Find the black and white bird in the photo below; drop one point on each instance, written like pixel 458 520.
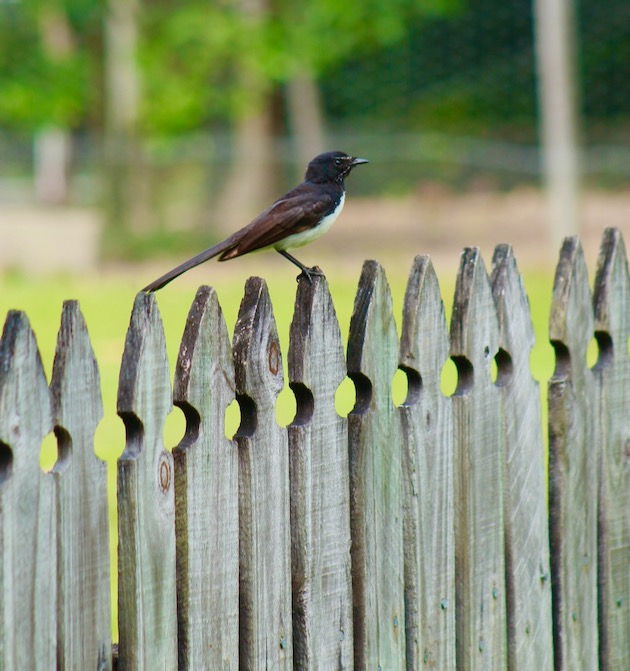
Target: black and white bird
pixel 299 217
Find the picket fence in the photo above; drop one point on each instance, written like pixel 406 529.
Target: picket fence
pixel 412 537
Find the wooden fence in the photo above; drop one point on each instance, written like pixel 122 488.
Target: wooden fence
pixel 412 537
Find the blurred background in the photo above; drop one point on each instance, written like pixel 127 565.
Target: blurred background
pixel 130 131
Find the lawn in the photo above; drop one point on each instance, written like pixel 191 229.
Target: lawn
pixel 106 301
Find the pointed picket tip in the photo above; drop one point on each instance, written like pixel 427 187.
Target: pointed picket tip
pixel 76 380
pixel 423 314
pixel 474 322
pixel 315 328
pixel 612 288
pixel 257 357
pixel 205 347
pixel 571 316
pixel 372 328
pixel 23 389
pixel 516 330
pixel 145 352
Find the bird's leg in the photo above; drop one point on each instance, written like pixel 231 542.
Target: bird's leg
pixel 306 272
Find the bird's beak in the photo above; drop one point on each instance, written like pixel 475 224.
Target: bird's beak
pixel 358 161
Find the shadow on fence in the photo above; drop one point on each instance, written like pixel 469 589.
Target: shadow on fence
pixel 422 536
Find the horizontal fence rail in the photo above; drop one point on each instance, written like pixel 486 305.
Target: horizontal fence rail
pixel 430 535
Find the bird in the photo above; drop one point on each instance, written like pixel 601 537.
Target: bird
pixel 297 218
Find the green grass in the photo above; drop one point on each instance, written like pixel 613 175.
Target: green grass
pixel 106 302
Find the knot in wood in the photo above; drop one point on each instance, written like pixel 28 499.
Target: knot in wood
pixel 164 473
pixel 274 357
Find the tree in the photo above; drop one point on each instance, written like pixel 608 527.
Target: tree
pixel 45 89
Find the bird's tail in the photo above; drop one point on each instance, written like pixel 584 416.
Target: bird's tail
pixel 187 265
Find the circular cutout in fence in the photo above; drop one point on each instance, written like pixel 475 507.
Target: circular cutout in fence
pixel 501 370
pixel 465 375
pixel 6 462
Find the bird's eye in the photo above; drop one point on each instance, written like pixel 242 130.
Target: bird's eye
pixel 337 161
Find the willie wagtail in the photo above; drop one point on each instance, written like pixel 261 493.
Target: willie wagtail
pixel 300 216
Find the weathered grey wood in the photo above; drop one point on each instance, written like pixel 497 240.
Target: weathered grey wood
pixel 479 536
pixel 147 611
pixel 206 493
pixel 265 544
pixel 28 565
pixel 427 430
pixel 375 479
pixel 572 467
pixel 84 637
pixel 320 494
pixel 612 326
pixel 528 576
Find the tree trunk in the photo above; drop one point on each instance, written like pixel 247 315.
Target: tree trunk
pixel 52 155
pixel 251 181
pixel 53 143
pixel 306 119
pixel 125 192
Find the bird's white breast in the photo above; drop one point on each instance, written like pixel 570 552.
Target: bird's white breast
pixel 303 238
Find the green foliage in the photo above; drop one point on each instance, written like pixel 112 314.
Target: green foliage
pixel 188 61
pixel 320 34
pixel 204 62
pixel 38 88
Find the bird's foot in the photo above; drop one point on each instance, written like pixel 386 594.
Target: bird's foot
pixel 309 273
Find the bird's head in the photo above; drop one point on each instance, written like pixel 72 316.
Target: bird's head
pixel 333 166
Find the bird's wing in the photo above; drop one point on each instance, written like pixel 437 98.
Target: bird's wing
pixel 288 216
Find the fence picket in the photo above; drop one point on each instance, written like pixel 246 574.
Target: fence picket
pixel 147 613
pixel 83 613
pixel 427 430
pixel 479 538
pixel 320 494
pixel 265 543
pixel 206 493
pixel 375 479
pixel 612 327
pixel 572 467
pixel 27 506
pixel 528 583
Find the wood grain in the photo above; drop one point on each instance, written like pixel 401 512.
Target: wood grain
pixel 320 494
pixel 266 635
pixel 84 611
pixel 147 611
pixel 479 535
pixel 28 568
pixel 528 576
pixel 428 473
pixel 376 479
pixel 206 493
